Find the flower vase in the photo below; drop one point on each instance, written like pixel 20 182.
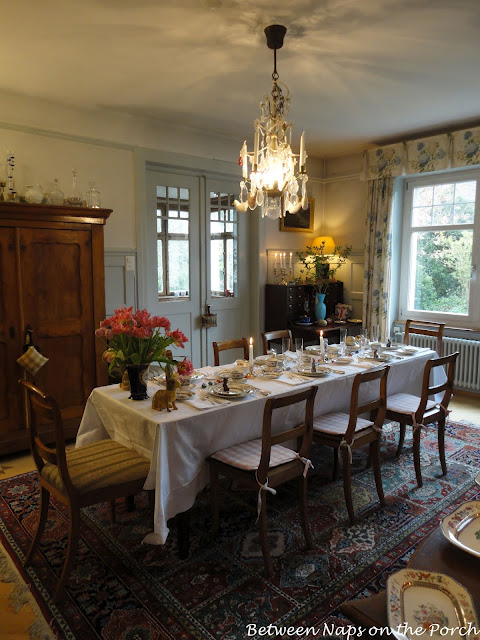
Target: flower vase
pixel 320 307
pixel 138 376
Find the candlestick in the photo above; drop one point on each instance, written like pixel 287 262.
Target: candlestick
pixel 290 260
pixel 280 268
pixel 255 151
pixel 250 355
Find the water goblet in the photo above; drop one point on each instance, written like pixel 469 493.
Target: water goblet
pixel 285 345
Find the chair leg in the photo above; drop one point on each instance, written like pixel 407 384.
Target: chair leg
pixel 347 485
pixel 374 453
pixel 214 499
pixel 335 464
pixel 416 455
pixel 73 534
pixel 302 499
pixel 401 439
pixel 263 535
pixel 441 443
pixel 42 519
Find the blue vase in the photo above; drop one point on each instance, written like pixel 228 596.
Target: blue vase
pixel 320 307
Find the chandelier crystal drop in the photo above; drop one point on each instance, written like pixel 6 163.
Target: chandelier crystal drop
pixel 272 181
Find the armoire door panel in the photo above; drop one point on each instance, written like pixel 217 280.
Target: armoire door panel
pixel 11 417
pixel 58 305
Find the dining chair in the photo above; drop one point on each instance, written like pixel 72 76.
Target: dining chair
pixel 82 477
pixel 425 328
pixel 241 343
pixel 347 431
pixel 418 411
pixel 263 464
pixel 276 335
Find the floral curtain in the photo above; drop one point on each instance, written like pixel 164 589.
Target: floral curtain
pixel 378 256
pixel 428 154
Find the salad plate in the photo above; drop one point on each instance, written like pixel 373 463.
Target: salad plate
pixel 319 373
pixel 269 374
pixel 234 391
pixel 428 602
pixel 462 527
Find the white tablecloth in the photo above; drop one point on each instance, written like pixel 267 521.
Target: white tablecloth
pixel 179 442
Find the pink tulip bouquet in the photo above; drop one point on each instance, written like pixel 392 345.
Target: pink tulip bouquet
pixel 137 338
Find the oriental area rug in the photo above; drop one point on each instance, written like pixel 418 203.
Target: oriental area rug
pixel 120 589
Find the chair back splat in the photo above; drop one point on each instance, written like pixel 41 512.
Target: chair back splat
pixel 425 328
pixel 241 343
pixel 276 335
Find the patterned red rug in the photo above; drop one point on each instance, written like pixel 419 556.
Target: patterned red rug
pixel 123 590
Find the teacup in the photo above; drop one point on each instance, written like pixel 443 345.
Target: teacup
pixel 237 374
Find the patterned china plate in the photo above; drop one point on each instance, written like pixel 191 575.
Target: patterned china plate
pixel 319 373
pixel 422 599
pixel 184 394
pixel 272 375
pixel 462 527
pixel 235 391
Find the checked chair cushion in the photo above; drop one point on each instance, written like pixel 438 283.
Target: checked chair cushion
pixel 247 455
pixel 406 403
pixel 337 423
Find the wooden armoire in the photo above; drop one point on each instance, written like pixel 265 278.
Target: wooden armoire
pixel 52 282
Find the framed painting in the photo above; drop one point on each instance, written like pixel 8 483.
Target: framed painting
pixel 301 221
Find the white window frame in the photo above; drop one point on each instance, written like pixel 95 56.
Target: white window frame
pixel 224 236
pixel 472 320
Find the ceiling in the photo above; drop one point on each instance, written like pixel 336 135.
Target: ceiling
pixel 359 71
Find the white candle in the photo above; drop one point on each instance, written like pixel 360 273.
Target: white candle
pixel 255 150
pixel 275 261
pixel 302 150
pixel 290 259
pixel 244 160
pixel 284 260
pixel 250 353
pixel 322 346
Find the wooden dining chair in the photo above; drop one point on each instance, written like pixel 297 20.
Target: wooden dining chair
pixel 347 431
pixel 418 411
pixel 98 472
pixel 276 335
pixel 424 328
pixel 241 343
pixel 263 464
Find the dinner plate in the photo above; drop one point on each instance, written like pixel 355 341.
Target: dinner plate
pixel 270 375
pixel 235 390
pixel 404 352
pixel 319 373
pixel 422 599
pixel 385 357
pixel 394 347
pixel 462 527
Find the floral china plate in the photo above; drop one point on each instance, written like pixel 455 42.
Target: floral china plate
pixel 184 394
pixel 306 371
pixel 268 373
pixel 462 527
pixel 428 602
pixel 234 391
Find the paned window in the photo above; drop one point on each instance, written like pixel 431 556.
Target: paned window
pixel 441 229
pixel 173 242
pixel 223 245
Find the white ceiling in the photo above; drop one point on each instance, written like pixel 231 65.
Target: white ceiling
pixel 359 71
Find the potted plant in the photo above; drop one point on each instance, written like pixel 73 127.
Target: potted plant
pixel 135 339
pixel 320 263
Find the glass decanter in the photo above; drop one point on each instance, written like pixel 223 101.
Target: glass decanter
pixel 56 195
pixel 75 199
pixel 93 196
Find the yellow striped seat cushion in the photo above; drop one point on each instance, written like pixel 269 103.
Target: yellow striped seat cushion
pixel 99 465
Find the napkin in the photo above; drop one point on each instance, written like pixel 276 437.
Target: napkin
pixel 293 380
pixel 201 403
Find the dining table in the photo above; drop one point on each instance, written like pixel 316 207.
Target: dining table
pixel 178 442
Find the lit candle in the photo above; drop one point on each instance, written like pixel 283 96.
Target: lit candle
pixel 250 354
pixel 322 346
pixel 284 260
pixel 244 160
pixel 255 151
pixel 275 261
pixel 290 259
pixel 302 150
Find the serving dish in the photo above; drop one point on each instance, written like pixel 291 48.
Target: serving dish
pixel 424 599
pixel 462 527
pixel 235 390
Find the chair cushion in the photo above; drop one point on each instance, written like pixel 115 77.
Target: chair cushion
pixel 99 465
pixel 406 403
pixel 337 423
pixel 247 455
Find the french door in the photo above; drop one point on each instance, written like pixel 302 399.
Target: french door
pixel 197 256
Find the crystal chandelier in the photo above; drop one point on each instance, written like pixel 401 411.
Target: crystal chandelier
pixel 272 181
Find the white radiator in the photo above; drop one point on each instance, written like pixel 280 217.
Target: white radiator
pixel 467 369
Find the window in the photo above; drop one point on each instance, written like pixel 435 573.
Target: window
pixel 173 219
pixel 441 235
pixel 223 245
